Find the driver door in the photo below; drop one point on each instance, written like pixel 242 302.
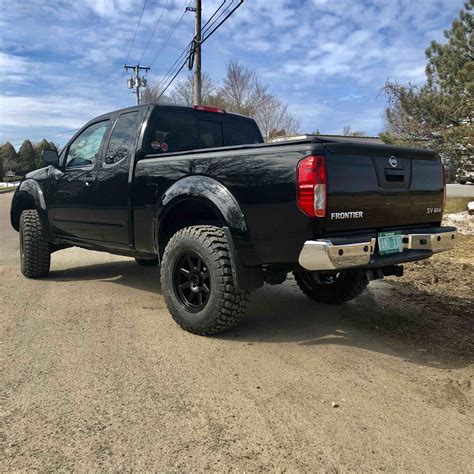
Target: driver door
pixel 73 201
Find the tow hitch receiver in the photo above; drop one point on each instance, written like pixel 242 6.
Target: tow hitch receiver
pixel 379 273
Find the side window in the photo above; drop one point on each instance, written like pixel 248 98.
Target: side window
pixel 174 131
pixel 123 138
pixel 242 132
pixel 209 134
pixel 84 150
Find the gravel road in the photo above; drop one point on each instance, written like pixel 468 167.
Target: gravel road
pixel 96 376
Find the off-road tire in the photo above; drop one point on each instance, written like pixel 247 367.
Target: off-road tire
pixel 462 181
pixel 147 262
pixel 35 250
pixel 348 285
pixel 226 304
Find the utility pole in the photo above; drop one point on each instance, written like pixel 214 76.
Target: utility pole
pixel 138 81
pixel 197 52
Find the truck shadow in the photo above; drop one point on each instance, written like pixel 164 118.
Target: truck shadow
pixel 379 320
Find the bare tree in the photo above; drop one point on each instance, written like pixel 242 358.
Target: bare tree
pixel 153 95
pixel 243 92
pixel 183 92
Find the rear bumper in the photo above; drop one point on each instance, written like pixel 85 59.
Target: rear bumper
pixel 323 255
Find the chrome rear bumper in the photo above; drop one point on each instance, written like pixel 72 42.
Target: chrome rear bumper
pixel 320 255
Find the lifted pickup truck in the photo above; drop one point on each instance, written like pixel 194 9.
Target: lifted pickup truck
pixel 197 191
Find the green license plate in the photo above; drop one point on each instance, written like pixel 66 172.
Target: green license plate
pixel 390 242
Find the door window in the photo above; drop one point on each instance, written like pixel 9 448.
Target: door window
pixel 84 150
pixel 122 141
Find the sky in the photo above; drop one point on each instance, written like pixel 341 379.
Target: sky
pixel 61 62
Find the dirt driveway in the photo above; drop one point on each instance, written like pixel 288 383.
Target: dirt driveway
pixel 95 375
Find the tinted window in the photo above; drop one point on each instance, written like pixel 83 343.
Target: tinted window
pixel 174 131
pixel 84 150
pixel 122 141
pixel 242 132
pixel 209 134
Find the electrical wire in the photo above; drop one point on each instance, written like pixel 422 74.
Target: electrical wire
pixel 119 91
pixel 136 31
pixel 179 68
pixel 187 49
pixel 178 20
pixel 153 32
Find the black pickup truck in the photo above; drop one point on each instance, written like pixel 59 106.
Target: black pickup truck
pixel 197 191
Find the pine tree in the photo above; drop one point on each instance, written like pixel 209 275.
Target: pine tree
pixel 9 157
pixel 439 114
pixel 26 157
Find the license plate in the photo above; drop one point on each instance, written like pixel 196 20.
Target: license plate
pixel 390 242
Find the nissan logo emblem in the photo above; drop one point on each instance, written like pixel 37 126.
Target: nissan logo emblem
pixel 393 162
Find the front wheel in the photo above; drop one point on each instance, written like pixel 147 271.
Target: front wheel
pixel 35 250
pixel 332 288
pixel 197 281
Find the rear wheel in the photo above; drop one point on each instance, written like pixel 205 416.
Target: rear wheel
pixel 462 181
pixel 35 250
pixel 147 262
pixel 332 288
pixel 197 282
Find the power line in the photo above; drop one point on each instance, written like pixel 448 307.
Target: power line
pixel 206 37
pixel 119 91
pixel 136 31
pixel 178 20
pixel 153 32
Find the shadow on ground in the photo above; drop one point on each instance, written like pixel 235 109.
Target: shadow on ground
pixel 381 320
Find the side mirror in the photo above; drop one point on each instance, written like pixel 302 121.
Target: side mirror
pixel 50 157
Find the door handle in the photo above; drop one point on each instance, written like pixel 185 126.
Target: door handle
pixel 87 183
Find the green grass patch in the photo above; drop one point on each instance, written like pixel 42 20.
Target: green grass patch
pixel 457 204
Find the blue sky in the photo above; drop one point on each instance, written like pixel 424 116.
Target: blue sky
pixel 61 61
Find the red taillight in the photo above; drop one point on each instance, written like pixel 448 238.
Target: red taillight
pixel 444 187
pixel 311 182
pixel 209 109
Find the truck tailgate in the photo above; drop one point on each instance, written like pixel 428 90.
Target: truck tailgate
pixel 371 186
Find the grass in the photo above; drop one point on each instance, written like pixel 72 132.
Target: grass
pixel 457 204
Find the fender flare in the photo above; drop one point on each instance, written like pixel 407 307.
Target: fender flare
pixel 29 195
pixel 215 195
pixel 210 192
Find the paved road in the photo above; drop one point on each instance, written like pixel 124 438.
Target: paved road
pixel 96 376
pixel 460 190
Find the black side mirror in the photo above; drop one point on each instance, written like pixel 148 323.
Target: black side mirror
pixel 50 157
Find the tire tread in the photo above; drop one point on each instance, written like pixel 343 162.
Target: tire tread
pixel 232 302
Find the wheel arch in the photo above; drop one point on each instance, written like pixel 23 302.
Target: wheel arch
pixel 198 200
pixel 29 196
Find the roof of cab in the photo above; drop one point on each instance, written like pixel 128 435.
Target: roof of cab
pixel 162 106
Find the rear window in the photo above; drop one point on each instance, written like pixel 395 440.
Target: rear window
pixel 210 134
pixel 182 130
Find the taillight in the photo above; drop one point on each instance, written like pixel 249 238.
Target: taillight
pixel 311 182
pixel 444 187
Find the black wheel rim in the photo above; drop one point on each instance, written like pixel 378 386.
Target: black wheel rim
pixel 192 282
